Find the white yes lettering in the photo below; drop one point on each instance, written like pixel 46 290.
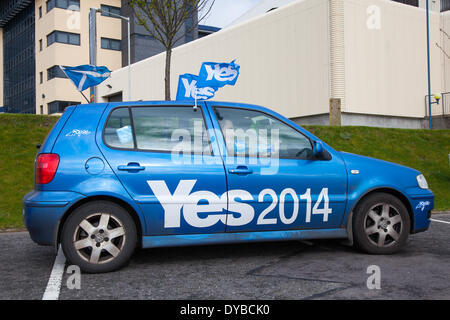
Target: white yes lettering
pixel 239 212
pixel 221 74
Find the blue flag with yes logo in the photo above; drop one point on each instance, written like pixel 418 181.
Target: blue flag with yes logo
pixel 188 90
pixel 217 75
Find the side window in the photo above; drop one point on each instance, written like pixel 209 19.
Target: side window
pixel 118 131
pixel 171 129
pixel 253 133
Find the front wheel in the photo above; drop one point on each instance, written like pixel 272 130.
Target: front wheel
pixel 99 237
pixel 381 224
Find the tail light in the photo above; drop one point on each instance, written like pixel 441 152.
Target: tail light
pixel 46 166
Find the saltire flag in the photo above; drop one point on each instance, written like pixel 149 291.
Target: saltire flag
pixel 86 76
pixel 217 75
pixel 188 90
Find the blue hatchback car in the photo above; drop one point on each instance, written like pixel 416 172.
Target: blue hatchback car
pixel 110 177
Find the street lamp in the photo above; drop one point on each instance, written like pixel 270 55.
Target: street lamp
pixel 428 62
pixel 127 19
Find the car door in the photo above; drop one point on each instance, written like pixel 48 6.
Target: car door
pixel 164 158
pixel 273 178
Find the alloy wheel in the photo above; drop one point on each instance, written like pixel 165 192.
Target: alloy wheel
pixel 99 238
pixel 383 225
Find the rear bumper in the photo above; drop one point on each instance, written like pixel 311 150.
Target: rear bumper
pixel 42 212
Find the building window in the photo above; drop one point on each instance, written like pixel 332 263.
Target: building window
pixel 40 12
pixel 50 5
pixel 40 45
pixel 204 31
pixel 63 4
pixel 445 5
pixel 414 3
pixel 106 10
pixel 19 52
pixel 189 25
pixel 41 107
pixel 41 77
pixel 117 97
pixel 63 37
pixel 110 44
pixel 55 72
pixel 60 106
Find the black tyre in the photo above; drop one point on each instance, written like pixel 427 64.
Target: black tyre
pixel 381 224
pixel 99 237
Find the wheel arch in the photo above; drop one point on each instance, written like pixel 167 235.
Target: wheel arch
pixel 388 190
pixel 125 205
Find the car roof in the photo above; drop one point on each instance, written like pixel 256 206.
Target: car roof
pixel 177 103
pixel 112 105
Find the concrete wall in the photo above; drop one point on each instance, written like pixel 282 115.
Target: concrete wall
pixel 58 89
pixel 284 59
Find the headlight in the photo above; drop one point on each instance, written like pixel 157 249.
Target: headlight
pixel 422 181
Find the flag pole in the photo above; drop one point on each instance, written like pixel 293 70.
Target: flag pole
pixel 428 64
pixel 84 97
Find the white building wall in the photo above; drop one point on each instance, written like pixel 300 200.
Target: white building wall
pixel 434 5
pixel 378 67
pixel 445 51
pixel 386 64
pixel 283 57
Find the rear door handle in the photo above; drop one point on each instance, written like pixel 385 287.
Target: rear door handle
pixel 131 167
pixel 241 170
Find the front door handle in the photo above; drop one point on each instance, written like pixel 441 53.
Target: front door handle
pixel 132 166
pixel 241 170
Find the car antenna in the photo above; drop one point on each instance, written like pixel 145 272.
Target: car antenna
pixel 195 104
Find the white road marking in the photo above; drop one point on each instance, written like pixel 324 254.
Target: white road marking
pixel 54 282
pixel 440 221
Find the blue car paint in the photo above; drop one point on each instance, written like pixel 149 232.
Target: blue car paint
pixel 78 152
pixel 295 173
pixel 158 166
pixel 241 237
pixel 78 179
pixel 53 135
pixel 42 211
pixel 378 174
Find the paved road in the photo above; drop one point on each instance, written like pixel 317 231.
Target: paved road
pixel 284 270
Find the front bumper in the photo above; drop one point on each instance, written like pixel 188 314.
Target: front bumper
pixel 42 211
pixel 422 204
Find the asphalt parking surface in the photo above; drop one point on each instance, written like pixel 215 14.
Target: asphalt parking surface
pixel 278 270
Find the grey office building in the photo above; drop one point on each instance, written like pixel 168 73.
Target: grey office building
pixel 144 46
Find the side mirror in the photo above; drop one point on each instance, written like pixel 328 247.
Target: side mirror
pixel 319 151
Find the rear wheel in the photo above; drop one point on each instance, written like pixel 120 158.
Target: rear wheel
pixel 99 237
pixel 381 224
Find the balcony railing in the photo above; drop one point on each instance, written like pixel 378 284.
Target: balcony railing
pixel 441 109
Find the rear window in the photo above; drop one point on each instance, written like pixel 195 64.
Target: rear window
pixel 118 131
pixel 163 129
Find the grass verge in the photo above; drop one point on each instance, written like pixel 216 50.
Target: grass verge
pixel 423 150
